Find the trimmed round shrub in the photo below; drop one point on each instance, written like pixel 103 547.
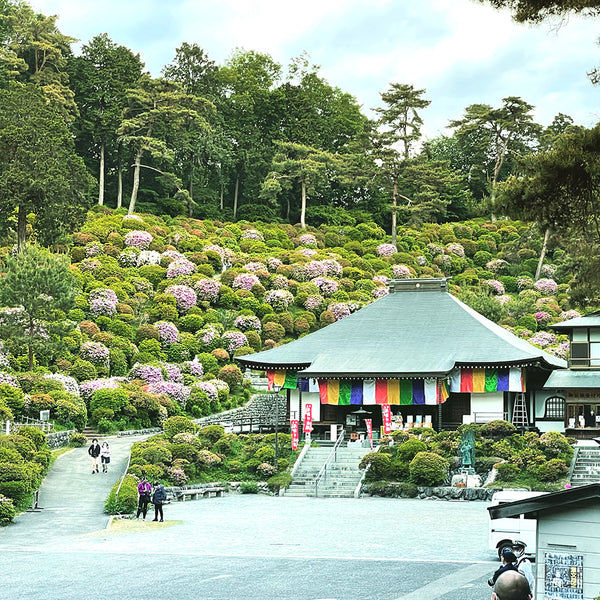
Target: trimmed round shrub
pixel 83 370
pixel 231 375
pixel 127 499
pixel 497 429
pixel 507 472
pixel 77 440
pixel 155 454
pixel 553 470
pixel 379 465
pixel 174 425
pixel 427 468
pixel 212 433
pixel 35 435
pixel 410 448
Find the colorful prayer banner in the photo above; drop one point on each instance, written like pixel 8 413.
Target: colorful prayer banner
pixel 406 392
pixel 284 378
pixel 478 381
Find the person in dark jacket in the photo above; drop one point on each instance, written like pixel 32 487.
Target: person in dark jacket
pixel 94 452
pixel 144 492
pixel 508 564
pixel 158 499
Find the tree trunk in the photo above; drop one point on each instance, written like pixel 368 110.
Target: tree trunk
pixel 394 216
pixel 101 177
pixel 493 203
pixel 235 196
pixel 542 254
pixel 303 208
pixel 221 197
pixel 21 228
pixel 119 187
pixel 30 344
pixel 136 182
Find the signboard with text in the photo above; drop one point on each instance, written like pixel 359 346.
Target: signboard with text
pixel 307 428
pixel 295 428
pixel 386 412
pixel 563 578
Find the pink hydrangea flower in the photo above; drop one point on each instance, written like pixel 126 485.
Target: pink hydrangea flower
pixel 496 286
pixel 386 249
pixel 547 286
pixel 401 272
pixel 185 296
pixel 245 281
pixel 207 290
pixel 138 239
pixel 168 332
pixel 179 267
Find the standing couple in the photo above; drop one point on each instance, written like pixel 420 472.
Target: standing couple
pixel 146 496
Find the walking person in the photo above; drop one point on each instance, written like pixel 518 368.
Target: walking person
pixel 105 456
pixel 144 491
pixel 94 452
pixel 158 499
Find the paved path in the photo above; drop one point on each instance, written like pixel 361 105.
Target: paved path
pixel 241 547
pixel 71 497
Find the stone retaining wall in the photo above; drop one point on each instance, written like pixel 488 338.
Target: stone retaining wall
pixel 140 431
pixel 59 438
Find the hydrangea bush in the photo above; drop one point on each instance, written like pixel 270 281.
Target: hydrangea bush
pixel 138 239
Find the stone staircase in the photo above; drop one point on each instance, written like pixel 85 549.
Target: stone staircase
pixel 586 465
pixel 342 475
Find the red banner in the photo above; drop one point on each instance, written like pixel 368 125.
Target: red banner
pixel 295 427
pixel 386 412
pixel 369 424
pixel 307 419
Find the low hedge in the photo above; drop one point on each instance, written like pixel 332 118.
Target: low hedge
pixel 7 511
pixel 127 500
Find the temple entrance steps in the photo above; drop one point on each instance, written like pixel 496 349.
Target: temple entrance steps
pixel 585 465
pixel 340 477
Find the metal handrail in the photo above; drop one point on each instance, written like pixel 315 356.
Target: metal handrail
pixel 332 457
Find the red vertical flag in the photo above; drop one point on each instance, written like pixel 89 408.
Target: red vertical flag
pixel 369 424
pixel 295 428
pixel 307 419
pixel 386 412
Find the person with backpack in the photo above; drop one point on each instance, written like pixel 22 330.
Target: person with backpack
pixel 158 499
pixel 508 564
pixel 144 492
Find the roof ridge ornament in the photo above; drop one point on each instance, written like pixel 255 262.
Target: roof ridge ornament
pixel 439 284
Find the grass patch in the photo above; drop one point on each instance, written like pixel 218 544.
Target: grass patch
pixel 125 526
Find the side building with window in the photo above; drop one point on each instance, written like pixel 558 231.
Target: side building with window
pixel 575 399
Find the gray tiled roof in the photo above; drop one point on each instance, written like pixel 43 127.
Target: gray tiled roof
pixel 404 334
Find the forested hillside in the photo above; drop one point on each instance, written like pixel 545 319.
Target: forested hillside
pixel 221 209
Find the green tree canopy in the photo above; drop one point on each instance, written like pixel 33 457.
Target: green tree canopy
pixel 536 10
pixel 37 288
pixel 40 172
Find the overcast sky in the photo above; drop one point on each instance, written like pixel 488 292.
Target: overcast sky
pixel 459 51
